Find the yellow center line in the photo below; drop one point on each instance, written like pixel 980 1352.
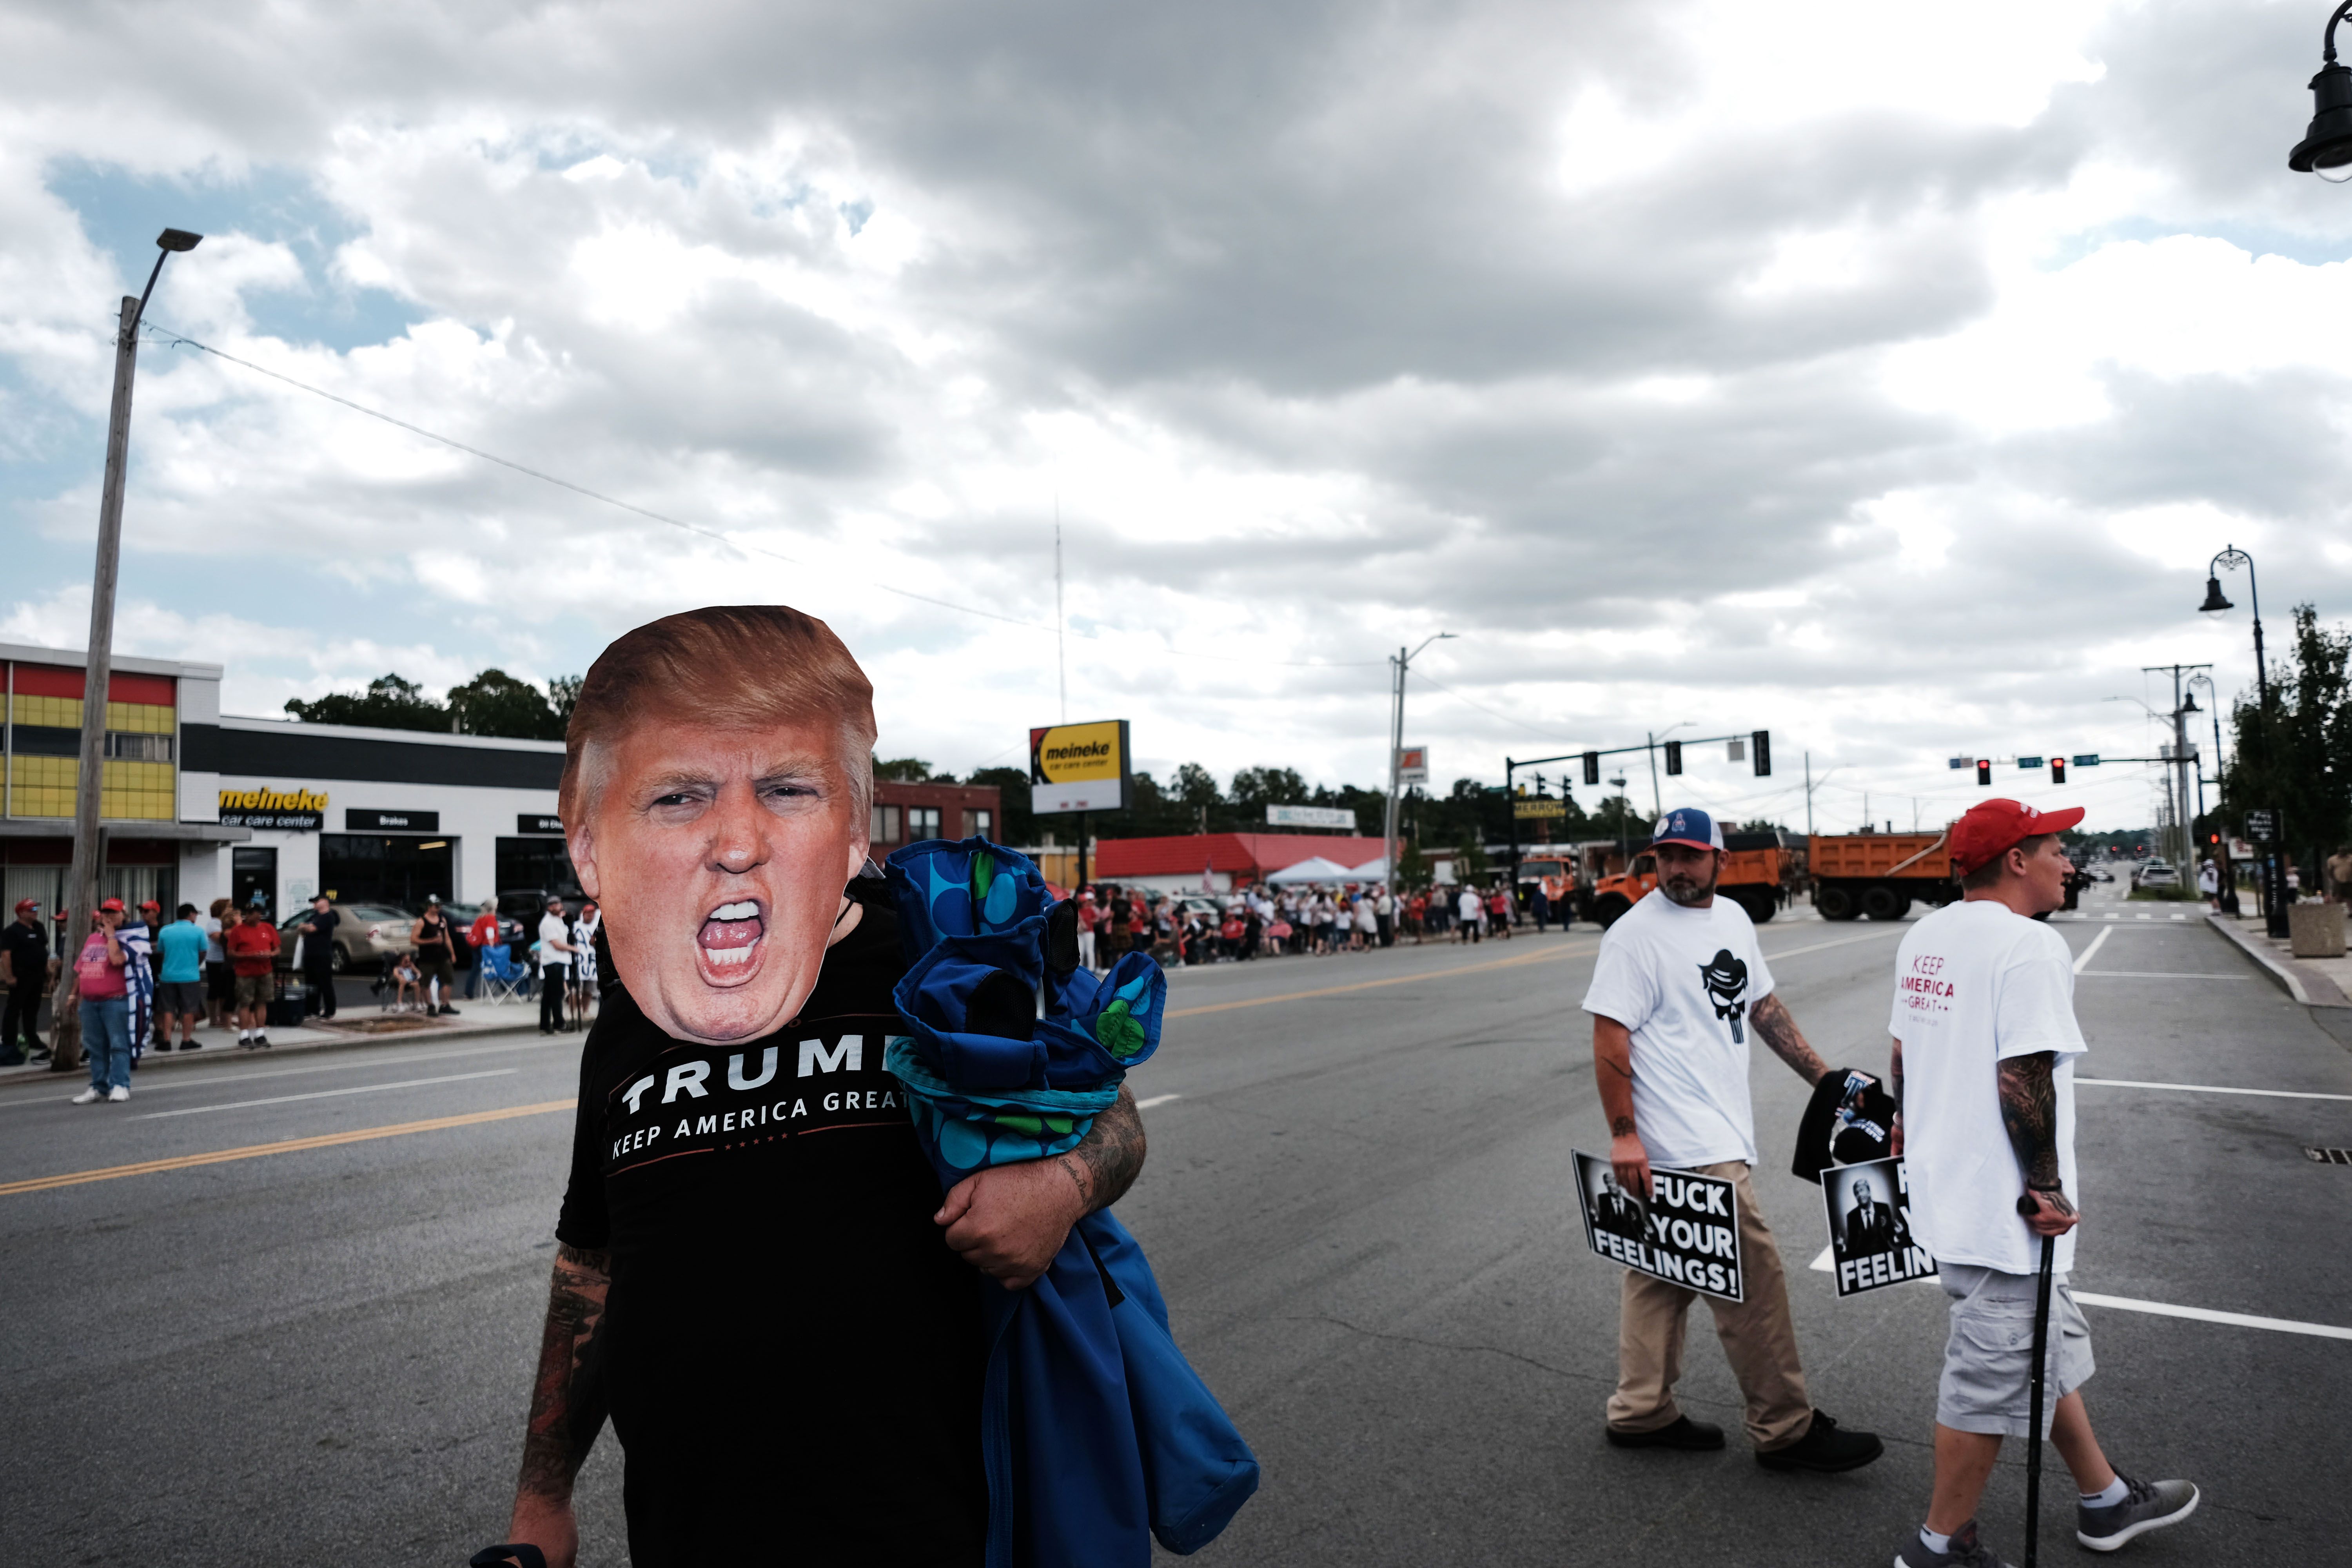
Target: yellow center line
pixel 290 1146
pixel 1448 973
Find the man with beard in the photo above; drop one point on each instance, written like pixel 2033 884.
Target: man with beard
pixel 757 1277
pixel 1679 984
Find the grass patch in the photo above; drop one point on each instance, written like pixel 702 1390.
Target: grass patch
pixel 2168 895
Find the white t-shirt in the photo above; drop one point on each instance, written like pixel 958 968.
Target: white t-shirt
pixel 1975 983
pixel 553 930
pixel 1684 981
pixel 1468 904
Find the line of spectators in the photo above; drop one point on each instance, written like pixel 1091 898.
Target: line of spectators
pixel 1313 920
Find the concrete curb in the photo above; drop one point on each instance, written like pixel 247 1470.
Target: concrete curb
pixel 221 1051
pixel 2299 981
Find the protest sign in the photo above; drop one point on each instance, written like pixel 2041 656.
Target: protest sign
pixel 1869 1209
pixel 1687 1232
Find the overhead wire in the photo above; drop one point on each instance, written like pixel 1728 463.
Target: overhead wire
pixel 180 340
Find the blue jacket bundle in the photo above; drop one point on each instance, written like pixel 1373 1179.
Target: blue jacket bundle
pixel 1097 1435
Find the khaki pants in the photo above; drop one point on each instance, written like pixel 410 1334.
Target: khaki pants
pixel 1757 1336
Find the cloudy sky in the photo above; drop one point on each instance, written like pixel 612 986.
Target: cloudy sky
pixel 1879 373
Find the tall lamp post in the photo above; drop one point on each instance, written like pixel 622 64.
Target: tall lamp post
pixel 89 853
pixel 2223 870
pixel 1399 665
pixel 2230 559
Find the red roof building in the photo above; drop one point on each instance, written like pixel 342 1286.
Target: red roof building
pixel 1232 858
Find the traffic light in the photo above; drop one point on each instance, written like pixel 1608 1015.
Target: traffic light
pixel 1592 767
pixel 1984 770
pixel 1673 758
pixel 1763 739
pixel 2057 770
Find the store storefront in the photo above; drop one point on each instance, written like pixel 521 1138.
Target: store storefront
pixel 198 805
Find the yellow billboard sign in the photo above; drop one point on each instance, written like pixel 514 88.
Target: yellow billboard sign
pixel 1078 767
pixel 1537 806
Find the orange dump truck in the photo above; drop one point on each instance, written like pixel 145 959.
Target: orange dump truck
pixel 1757 868
pixel 1880 875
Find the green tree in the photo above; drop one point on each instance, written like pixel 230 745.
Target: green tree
pixel 1016 825
pixel 1470 863
pixel 564 694
pixel 496 703
pixel 1413 867
pixel 1255 789
pixel 904 770
pixel 2296 757
pixel 389 703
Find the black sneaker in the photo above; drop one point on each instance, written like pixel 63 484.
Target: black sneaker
pixel 1683 1433
pixel 448 1011
pixel 2147 1505
pixel 39 1056
pixel 261 1043
pixel 1964 1553
pixel 1825 1449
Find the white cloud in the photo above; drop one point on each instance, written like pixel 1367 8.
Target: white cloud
pixel 1836 367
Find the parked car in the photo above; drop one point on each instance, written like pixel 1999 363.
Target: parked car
pixel 365 935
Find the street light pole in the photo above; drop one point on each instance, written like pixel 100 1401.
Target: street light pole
pixel 89 857
pixel 1398 666
pixel 2229 559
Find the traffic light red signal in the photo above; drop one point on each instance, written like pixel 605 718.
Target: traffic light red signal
pixel 1984 770
pixel 2057 770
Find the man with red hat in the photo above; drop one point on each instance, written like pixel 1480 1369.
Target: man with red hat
pixel 26 967
pixel 1985 1042
pixel 1679 986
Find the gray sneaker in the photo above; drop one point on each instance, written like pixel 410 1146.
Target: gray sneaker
pixel 2147 1505
pixel 1965 1552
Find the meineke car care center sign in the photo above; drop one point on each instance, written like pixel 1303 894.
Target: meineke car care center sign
pixel 1685 1231
pixel 1078 767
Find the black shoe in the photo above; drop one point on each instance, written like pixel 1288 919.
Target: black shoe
pixel 1824 1448
pixel 1683 1433
pixel 261 1043
pixel 448 1011
pixel 191 1044
pixel 39 1056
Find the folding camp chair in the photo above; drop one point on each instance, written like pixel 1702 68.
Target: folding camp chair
pixel 503 980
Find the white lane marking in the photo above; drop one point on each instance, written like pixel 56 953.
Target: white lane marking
pixel 1156 1099
pixel 364 1060
pixel 2211 1088
pixel 2142 917
pixel 2206 1315
pixel 2154 974
pixel 1842 942
pixel 330 1093
pixel 2114 917
pixel 2096 942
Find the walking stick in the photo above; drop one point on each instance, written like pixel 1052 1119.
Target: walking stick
pixel 2027 1206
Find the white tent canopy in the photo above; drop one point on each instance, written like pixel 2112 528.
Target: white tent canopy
pixel 1315 869
pixel 1370 871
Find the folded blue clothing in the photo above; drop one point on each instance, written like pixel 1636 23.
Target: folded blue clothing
pixel 1096 1435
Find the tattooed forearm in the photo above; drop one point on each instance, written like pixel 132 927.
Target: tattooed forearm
pixel 1106 1163
pixel 567 1407
pixel 1773 1025
pixel 2028 1110
pixel 1621 1126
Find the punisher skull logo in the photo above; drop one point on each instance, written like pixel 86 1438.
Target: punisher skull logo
pixel 1725 978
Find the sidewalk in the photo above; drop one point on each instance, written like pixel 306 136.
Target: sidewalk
pixel 2314 982
pixel 350 1026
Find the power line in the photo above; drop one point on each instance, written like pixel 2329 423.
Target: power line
pixel 180 340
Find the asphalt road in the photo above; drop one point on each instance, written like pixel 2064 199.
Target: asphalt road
pixel 1356 1202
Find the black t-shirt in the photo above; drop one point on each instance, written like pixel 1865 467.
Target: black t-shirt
pixel 791 1353
pixel 28 951
pixel 318 945
pixel 431 936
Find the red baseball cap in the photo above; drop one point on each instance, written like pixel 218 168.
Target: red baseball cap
pixel 32 904
pixel 111 906
pixel 1991 828
pixel 151 904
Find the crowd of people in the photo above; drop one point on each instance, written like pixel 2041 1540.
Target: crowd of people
pixel 1262 922
pixel 138 983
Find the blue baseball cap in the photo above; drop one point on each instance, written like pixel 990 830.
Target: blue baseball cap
pixel 1687 825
